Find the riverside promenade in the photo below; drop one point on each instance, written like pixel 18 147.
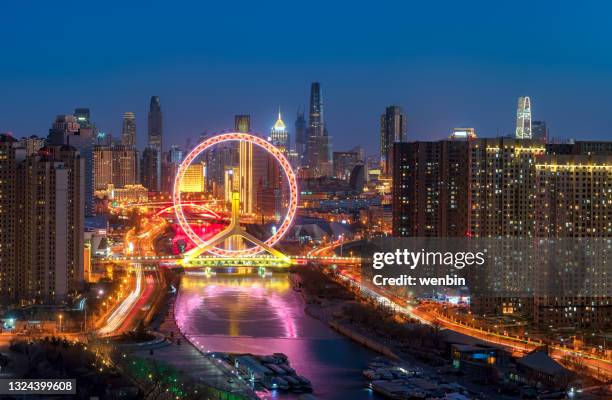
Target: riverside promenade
pixel 192 362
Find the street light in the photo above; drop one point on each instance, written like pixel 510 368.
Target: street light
pixel 60 322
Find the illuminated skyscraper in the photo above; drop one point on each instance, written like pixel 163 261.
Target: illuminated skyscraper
pixel 125 165
pixel 155 130
pixel 128 129
pixel 318 147
pixel 194 180
pixel 242 123
pixel 102 167
pixel 523 118
pixel 115 164
pixel 279 135
pixel 392 130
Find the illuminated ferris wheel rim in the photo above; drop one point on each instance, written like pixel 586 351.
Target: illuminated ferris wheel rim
pixel 240 137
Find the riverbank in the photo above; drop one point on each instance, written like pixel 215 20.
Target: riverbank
pixel 329 307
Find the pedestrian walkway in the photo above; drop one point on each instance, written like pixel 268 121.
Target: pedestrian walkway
pixel 190 361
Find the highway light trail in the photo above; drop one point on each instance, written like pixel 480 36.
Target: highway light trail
pixel 599 365
pixel 117 317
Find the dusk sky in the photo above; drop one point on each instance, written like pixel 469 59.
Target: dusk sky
pixel 447 63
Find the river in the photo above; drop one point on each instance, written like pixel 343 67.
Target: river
pixel 251 314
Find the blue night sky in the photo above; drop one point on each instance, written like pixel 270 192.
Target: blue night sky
pixel 447 63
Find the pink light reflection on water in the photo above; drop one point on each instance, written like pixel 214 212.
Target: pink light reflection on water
pixel 193 300
pixel 271 319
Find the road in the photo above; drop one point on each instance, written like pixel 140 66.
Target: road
pixel 121 311
pixel 596 365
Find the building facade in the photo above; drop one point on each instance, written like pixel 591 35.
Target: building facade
pixel 41 223
pixel 393 128
pixel 319 145
pixel 154 144
pixel 151 169
pixel 512 191
pixel 128 129
pixel 279 136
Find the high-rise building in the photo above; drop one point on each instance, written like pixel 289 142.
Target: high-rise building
pixel 171 163
pixel 151 169
pixel 125 165
pixel 393 128
pixel 66 130
pixel 523 118
pixel 32 144
pixel 502 180
pixel 42 210
pixel 430 188
pixel 175 155
pixel 574 195
pixel 128 129
pixel 194 180
pixel 8 217
pixel 574 200
pixel 102 167
pixel 155 123
pixel 514 189
pixel 155 131
pixel 232 184
pixel 301 135
pixel 83 117
pixel 116 165
pixel 279 136
pixel 318 146
pixel 269 197
pixel 217 159
pixel 242 123
pixel 539 131
pixel 62 129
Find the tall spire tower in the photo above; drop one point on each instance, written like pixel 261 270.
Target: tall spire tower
pixel 155 123
pixel 279 135
pixel 318 147
pixel 523 118
pixel 392 130
pixel 153 153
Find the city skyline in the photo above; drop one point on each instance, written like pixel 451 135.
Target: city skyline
pixel 323 200
pixel 450 77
